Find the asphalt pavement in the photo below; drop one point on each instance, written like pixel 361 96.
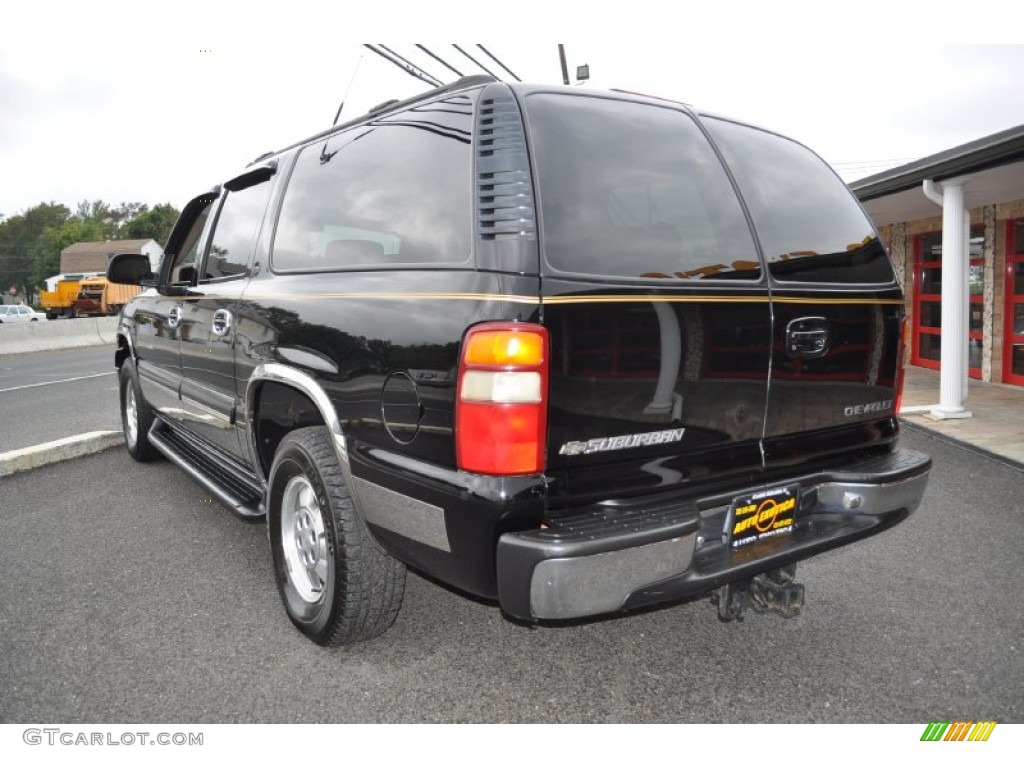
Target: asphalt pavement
pixel 47 396
pixel 127 595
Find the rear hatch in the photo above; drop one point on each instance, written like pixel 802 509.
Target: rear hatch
pixel 654 298
pixel 837 308
pixel 669 365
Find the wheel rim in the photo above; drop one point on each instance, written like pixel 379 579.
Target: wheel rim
pixel 131 415
pixel 303 539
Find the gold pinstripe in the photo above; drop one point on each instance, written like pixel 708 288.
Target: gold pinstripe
pixel 399 296
pixel 794 300
pixel 554 300
pixel 709 299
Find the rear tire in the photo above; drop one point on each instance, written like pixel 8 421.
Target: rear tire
pixel 136 415
pixel 337 584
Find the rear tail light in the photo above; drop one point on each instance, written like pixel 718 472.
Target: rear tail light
pixel 900 364
pixel 501 400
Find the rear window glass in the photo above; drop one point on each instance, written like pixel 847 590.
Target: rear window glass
pixel 810 225
pixel 633 190
pixel 394 192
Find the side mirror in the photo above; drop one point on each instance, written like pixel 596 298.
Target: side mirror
pixel 129 269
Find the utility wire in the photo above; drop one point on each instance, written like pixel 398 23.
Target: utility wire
pixel 893 160
pixel 499 63
pixel 438 58
pixel 415 72
pixel 406 61
pixel 485 69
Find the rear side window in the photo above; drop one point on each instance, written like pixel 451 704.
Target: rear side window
pixel 810 225
pixel 636 191
pixel 395 192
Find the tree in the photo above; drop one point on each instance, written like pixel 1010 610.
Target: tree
pixel 155 223
pixel 31 242
pixel 18 236
pixel 124 213
pixel 46 250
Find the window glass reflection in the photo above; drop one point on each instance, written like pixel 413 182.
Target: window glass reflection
pixel 636 191
pixel 930 346
pixel 235 232
pixel 810 225
pixel 1018 359
pixel 396 191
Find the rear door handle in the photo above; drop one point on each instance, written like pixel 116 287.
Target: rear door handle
pixel 807 337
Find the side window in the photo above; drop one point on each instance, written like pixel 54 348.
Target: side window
pixel 394 192
pixel 184 270
pixel 809 223
pixel 234 235
pixel 185 242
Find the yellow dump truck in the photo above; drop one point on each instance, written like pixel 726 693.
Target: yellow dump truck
pixel 58 300
pixel 97 296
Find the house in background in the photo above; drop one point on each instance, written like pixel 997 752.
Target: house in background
pixel 93 257
pixel 954 225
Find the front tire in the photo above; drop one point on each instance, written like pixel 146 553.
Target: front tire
pixel 337 584
pixel 136 415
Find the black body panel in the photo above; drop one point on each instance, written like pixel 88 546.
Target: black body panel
pixel 696 349
pixel 353 333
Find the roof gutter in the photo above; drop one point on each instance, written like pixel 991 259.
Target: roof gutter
pixel 932 192
pixel 989 152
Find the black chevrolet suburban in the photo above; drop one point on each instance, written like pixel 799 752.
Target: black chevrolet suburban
pixel 576 352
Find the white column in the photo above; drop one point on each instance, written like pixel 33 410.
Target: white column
pixel 955 300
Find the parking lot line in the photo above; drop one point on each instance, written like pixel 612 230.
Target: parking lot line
pixel 59 381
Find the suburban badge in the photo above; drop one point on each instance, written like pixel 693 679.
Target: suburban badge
pixel 598 444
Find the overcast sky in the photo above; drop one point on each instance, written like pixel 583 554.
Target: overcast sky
pixel 154 123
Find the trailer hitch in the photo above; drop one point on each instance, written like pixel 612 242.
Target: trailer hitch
pixel 774 591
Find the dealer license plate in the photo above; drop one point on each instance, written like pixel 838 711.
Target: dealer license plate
pixel 761 515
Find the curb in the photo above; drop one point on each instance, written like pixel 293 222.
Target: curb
pixel 40 455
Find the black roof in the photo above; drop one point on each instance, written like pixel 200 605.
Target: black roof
pixel 386 107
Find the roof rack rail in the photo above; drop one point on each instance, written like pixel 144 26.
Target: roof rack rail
pixel 382 106
pixel 264 156
pixel 455 85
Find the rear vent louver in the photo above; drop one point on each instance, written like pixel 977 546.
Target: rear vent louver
pixel 504 187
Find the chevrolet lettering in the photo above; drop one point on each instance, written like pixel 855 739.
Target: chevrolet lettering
pixel 859 410
pixel 572 352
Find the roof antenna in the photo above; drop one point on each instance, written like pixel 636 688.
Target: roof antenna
pixel 347 90
pixel 325 156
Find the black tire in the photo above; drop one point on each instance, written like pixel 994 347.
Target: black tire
pixel 338 585
pixel 136 415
